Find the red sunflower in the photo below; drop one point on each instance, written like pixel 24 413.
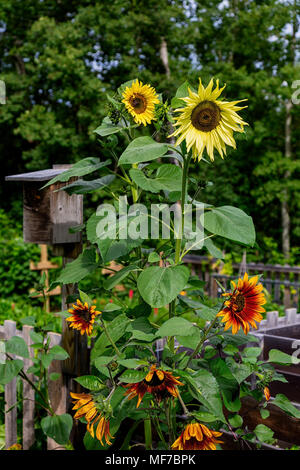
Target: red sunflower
pixel 83 317
pixel 158 382
pixel 197 436
pixel 244 306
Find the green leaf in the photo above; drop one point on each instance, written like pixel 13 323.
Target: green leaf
pixel 111 307
pixel 213 249
pixel 142 149
pixel 103 361
pixel 116 330
pixel 141 329
pixel 108 128
pixel 91 382
pixel 239 371
pixel 111 248
pixel 204 388
pixel 36 337
pixel 46 360
pixel 182 92
pixel 284 403
pixel 252 352
pixel 168 178
pixel 190 341
pixel 279 357
pixel 17 346
pixel 54 376
pixel 175 326
pixel 114 280
pixel 264 434
pixel 229 222
pixel 83 186
pixel 236 421
pixel 227 382
pixel 81 267
pixel 85 298
pixel 130 363
pixel 264 413
pixel 81 168
pixel 153 257
pixel 205 416
pixel 131 376
pixel 58 353
pixel 58 427
pixel 9 370
pixel 160 285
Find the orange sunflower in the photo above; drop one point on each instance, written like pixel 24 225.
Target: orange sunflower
pixel 244 306
pixel 158 382
pixel 197 436
pixel 83 317
pixel 86 407
pixel 267 393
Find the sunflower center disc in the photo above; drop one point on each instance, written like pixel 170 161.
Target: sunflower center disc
pixel 85 315
pixel 139 103
pixel 240 302
pixel 206 116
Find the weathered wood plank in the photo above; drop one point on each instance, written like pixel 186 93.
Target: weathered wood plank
pixel 56 389
pixel 10 396
pixel 28 395
pixel 285 427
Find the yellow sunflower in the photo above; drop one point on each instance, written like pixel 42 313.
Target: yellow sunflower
pixel 207 122
pixel 140 100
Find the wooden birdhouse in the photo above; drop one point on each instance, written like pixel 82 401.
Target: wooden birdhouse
pixel 48 214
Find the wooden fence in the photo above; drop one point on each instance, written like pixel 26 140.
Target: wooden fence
pixel 282 282
pixel 56 391
pixel 266 332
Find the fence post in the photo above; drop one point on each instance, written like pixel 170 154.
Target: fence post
pixel 56 389
pixel 28 395
pixel 272 319
pixel 290 316
pixel 10 395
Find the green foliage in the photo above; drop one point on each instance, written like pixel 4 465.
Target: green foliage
pixel 15 257
pixel 159 286
pixel 58 427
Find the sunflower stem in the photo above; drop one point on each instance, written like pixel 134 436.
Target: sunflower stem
pixel 196 351
pixel 159 431
pixel 178 243
pixel 110 338
pixel 186 411
pixel 148 433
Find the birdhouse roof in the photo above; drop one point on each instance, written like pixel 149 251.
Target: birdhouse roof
pixel 43 175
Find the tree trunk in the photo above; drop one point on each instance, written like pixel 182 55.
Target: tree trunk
pixel 165 56
pixel 285 216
